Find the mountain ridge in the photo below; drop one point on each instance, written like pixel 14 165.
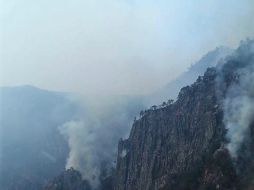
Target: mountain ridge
pixel 186 145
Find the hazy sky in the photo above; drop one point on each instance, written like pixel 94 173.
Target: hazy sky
pixel 113 46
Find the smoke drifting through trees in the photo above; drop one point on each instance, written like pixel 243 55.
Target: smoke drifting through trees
pixel 238 105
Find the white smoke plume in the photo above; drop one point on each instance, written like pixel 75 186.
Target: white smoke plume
pixel 239 109
pixel 239 100
pixel 94 135
pixel 83 151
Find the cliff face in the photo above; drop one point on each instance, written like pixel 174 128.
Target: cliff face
pixel 184 145
pixel 169 147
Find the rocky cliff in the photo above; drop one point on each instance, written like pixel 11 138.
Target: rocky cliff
pixel 184 145
pixel 169 147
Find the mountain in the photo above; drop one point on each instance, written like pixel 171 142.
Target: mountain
pixel 169 147
pixel 32 149
pixel 36 143
pixel 171 90
pixel 203 140
pixel 190 144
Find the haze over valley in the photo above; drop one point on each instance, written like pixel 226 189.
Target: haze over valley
pixel 126 95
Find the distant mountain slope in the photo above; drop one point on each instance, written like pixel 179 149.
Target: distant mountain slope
pixel 35 146
pixel 171 90
pixel 32 149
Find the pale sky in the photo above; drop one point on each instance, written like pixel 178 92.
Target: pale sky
pixel 114 46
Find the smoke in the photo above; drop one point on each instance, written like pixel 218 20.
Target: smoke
pixel 83 151
pixel 238 105
pixel 239 110
pixel 93 135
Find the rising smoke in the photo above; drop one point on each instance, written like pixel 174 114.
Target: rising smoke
pixel 238 105
pixel 93 136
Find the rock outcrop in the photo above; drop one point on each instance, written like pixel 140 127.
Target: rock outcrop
pixel 68 180
pixel 174 146
pixel 71 179
pixel 183 145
